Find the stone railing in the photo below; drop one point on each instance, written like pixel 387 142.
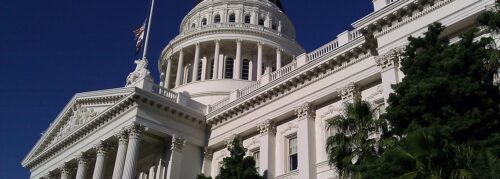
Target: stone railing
pixel 170 95
pixel 301 60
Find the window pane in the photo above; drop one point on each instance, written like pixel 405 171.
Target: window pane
pixel 229 68
pixel 247 19
pixel 232 18
pixel 246 69
pixel 293 162
pixel 256 156
pixel 293 145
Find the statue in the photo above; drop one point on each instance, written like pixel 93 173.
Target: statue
pixel 139 73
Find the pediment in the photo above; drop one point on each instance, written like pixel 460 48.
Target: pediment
pixel 82 108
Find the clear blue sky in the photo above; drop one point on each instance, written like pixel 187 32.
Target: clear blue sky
pixel 51 49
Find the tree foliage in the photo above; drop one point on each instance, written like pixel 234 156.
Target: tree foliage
pixel 237 166
pixel 354 139
pixel 444 115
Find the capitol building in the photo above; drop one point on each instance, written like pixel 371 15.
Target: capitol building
pixel 236 71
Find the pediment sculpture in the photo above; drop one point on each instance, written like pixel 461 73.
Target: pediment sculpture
pixel 79 116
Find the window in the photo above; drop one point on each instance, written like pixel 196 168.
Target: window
pixel 217 18
pixel 232 18
pixel 274 26
pixel 247 19
pixel 211 69
pixel 246 69
pixel 204 21
pixel 188 70
pixel 256 157
pixel 292 153
pixel 200 67
pixel 261 21
pixel 193 26
pixel 229 68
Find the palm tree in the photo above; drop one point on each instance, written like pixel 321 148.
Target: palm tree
pixel 354 138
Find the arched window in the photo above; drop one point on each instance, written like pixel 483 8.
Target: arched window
pixel 217 18
pixel 247 19
pixel 188 71
pixel 229 68
pixel 274 26
pixel 261 21
pixel 193 25
pixel 245 71
pixel 232 17
pixel 200 67
pixel 204 21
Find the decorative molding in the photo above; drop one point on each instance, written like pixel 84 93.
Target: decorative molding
pixel 79 116
pixel 122 136
pixel 267 127
pixel 102 148
pixel 208 153
pixel 83 159
pixel 177 143
pixel 349 92
pixel 331 110
pixel 67 169
pixel 391 59
pixel 305 111
pixel 135 130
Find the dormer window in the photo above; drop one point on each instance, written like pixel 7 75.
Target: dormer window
pixel 217 18
pixel 232 17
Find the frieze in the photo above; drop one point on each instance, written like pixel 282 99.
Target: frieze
pixel 80 115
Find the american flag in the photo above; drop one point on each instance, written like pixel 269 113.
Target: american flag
pixel 139 37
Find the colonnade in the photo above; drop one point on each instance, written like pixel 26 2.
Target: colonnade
pixel 209 72
pixel 126 161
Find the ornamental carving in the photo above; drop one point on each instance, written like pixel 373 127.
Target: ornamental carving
pixel 122 136
pixel 141 71
pixel 208 153
pixel 305 111
pixel 66 169
pixel 83 159
pixel 102 148
pixel 178 143
pixel 79 117
pixel 135 130
pixel 229 140
pixel 267 127
pixel 349 92
pixel 390 60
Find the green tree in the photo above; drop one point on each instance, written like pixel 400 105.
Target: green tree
pixel 237 166
pixel 445 113
pixel 354 137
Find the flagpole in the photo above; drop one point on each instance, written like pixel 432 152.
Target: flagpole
pixel 147 31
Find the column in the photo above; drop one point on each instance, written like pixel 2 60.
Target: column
pixel 267 131
pixel 278 58
pixel 305 137
pixel 196 64
pixel 207 162
pixel 66 171
pixel 151 174
pixel 100 162
pixel 121 154
pixel 83 164
pixel 175 162
pixel 259 60
pixel 134 140
pixel 237 63
pixel 162 79
pixel 216 60
pixel 204 69
pixel 389 71
pixel 168 73
pixel 180 66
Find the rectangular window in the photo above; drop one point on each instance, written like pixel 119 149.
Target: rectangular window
pixel 292 153
pixel 256 157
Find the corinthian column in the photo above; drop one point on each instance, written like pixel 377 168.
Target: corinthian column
pixel 134 140
pixel 83 164
pixel 305 137
pixel 175 163
pixel 207 161
pixel 180 65
pixel 267 131
pixel 66 171
pixel 100 162
pixel 121 153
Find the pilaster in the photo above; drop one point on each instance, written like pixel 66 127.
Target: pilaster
pixel 207 161
pixel 306 115
pixel 267 130
pixel 349 92
pixel 175 163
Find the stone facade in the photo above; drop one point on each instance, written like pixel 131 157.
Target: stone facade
pixel 235 70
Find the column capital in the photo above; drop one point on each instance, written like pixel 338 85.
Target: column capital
pixel 390 59
pixel 66 168
pixel 208 153
pixel 83 159
pixel 238 41
pixel 267 127
pixel 305 111
pixel 230 139
pixel 260 44
pixel 102 148
pixel 217 41
pixel 135 130
pixel 197 44
pixel 348 92
pixel 177 143
pixel 122 136
pixel 280 50
pixel 50 175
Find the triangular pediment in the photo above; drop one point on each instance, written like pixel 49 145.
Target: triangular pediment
pixel 82 108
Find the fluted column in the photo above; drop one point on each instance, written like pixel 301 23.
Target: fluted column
pixel 121 154
pixel 259 60
pixel 175 163
pixel 267 130
pixel 278 58
pixel 237 63
pixel 151 174
pixel 207 161
pixel 305 137
pixel 168 73
pixel 134 140
pixel 196 64
pixel 83 165
pixel 100 162
pixel 66 171
pixel 178 79
pixel 216 60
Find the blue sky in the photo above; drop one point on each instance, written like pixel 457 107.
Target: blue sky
pixel 51 49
